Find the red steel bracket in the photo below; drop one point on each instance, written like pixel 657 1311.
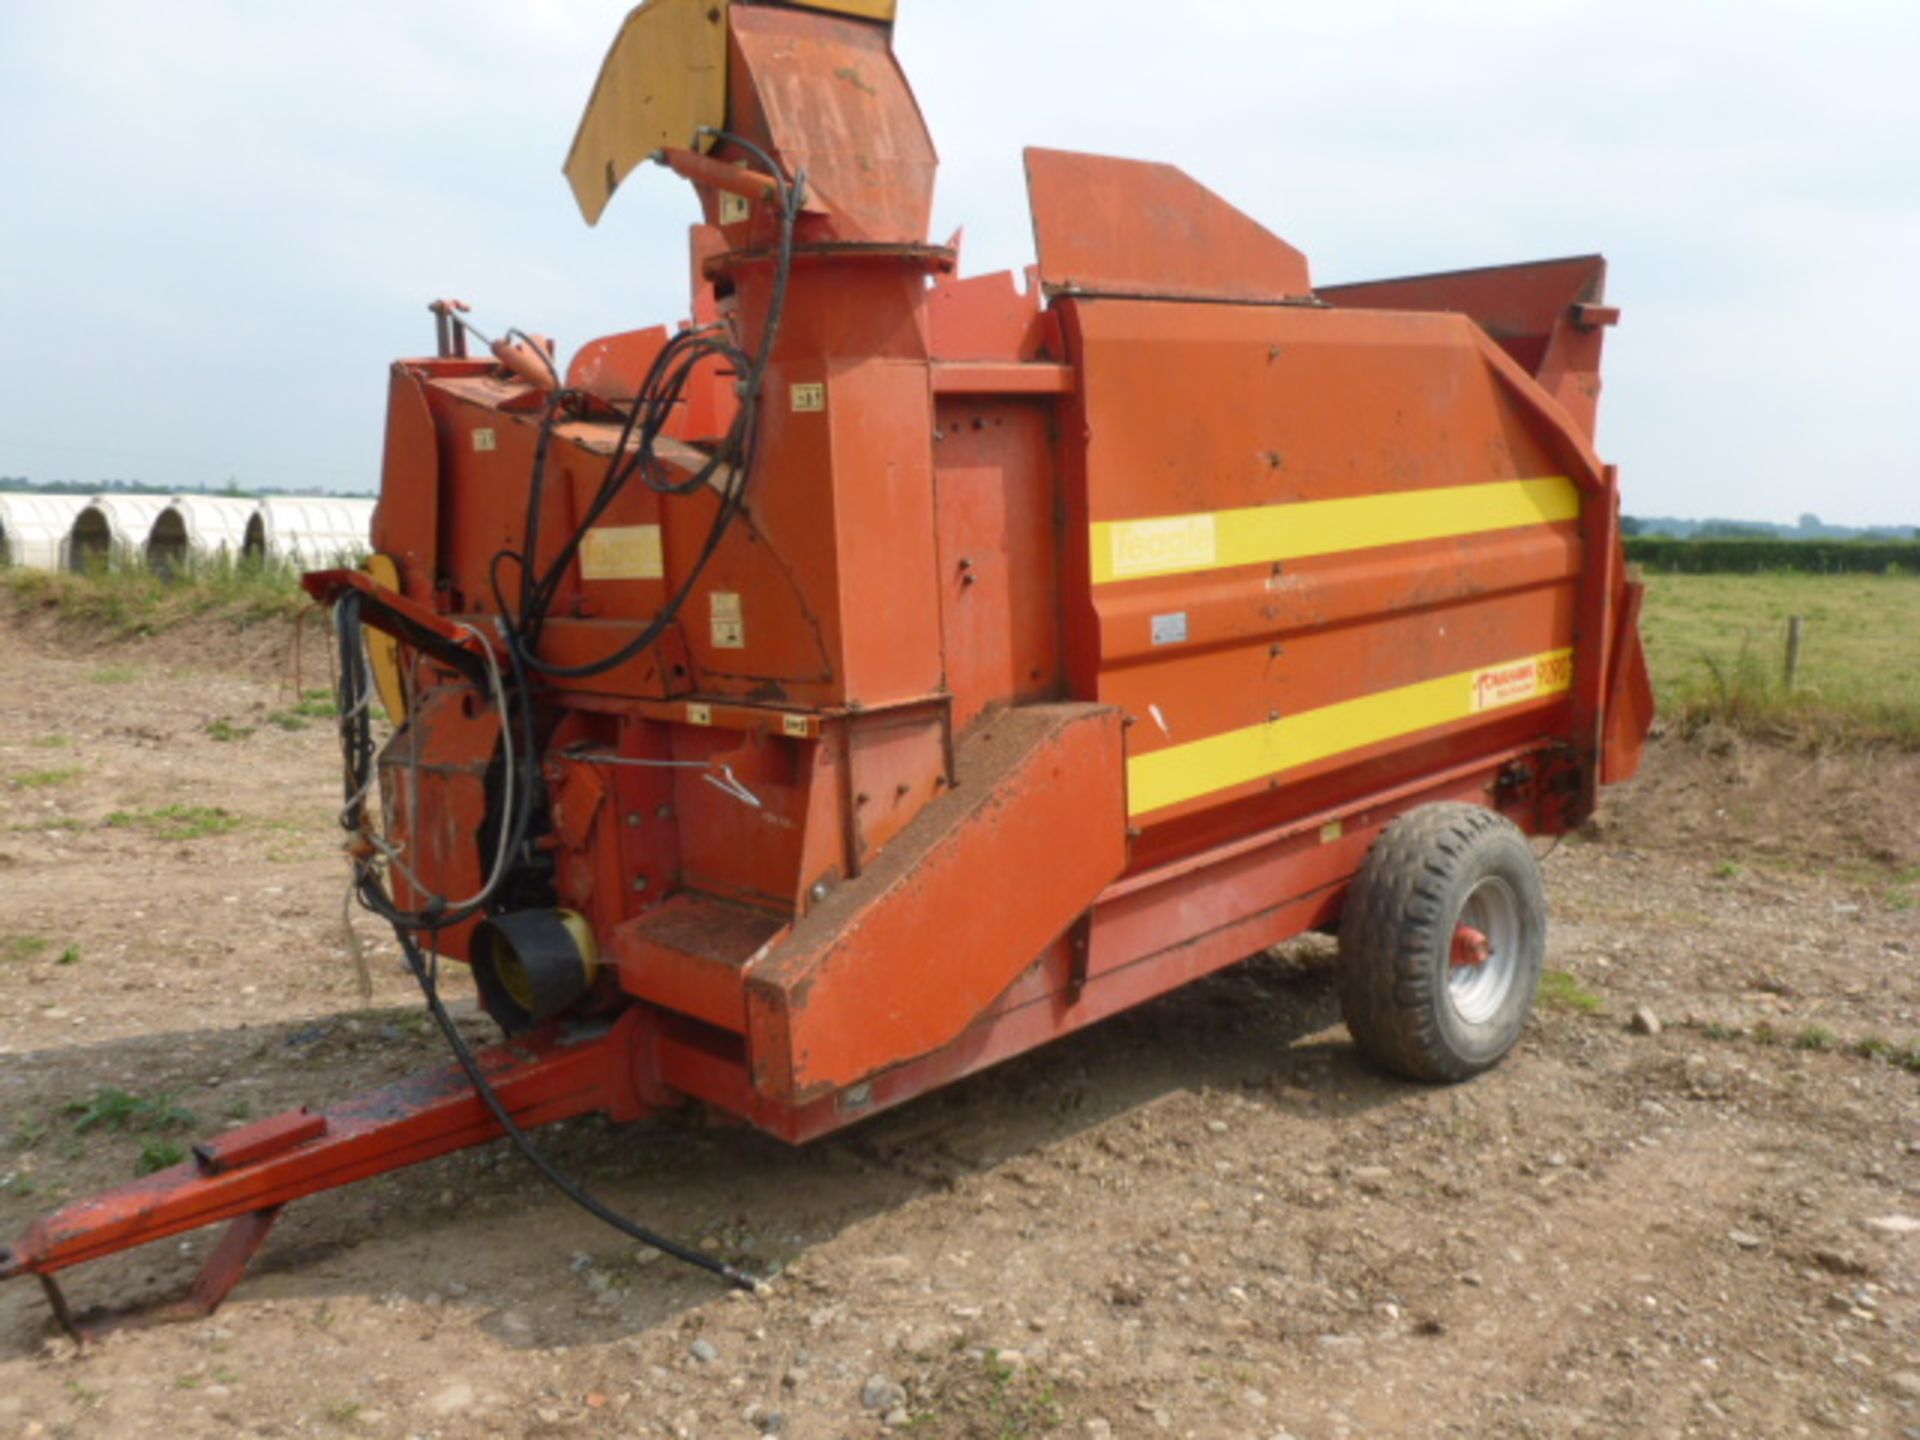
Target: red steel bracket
pixel 249 1175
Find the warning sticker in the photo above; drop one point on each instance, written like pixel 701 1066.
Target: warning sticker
pixel 1523 680
pixel 809 399
pixel 622 552
pixel 729 626
pixel 1160 547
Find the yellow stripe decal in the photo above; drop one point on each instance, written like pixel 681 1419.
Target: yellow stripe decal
pixel 1185 544
pixel 1260 752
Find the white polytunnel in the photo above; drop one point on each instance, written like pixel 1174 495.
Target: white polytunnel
pixel 198 527
pixel 317 532
pixel 112 526
pixel 34 528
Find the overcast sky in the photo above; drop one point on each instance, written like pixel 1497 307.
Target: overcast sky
pixel 222 218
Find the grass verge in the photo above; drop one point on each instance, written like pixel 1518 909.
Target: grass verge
pixel 1717 646
pixel 177 822
pixel 127 600
pixel 1561 991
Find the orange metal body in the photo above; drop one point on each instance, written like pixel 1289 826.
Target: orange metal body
pixel 1232 709
pixel 1078 639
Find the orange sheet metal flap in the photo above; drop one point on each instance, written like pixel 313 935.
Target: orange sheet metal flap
pixel 1630 702
pixel 1130 227
pixel 902 960
pixel 1520 306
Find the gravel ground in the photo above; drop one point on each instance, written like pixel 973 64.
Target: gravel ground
pixel 1686 1206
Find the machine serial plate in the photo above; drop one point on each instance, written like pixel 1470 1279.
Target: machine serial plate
pixel 1170 629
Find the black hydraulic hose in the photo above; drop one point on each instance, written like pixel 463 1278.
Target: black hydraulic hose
pixel 665 382
pixel 550 1172
pixel 659 394
pixel 356 735
pixel 356 732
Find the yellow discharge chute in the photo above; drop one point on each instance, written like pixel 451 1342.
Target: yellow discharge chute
pixel 664 79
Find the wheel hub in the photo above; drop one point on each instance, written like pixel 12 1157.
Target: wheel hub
pixel 1470 947
pixel 1485 952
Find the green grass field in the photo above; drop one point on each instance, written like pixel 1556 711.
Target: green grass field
pixel 1717 643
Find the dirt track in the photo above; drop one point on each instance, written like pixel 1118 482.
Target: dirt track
pixel 1207 1219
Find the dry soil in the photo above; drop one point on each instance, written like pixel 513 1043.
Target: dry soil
pixel 1209 1218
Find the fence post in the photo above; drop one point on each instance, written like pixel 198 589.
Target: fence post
pixel 1796 636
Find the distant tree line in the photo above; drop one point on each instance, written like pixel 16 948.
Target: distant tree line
pixel 1811 527
pixel 1751 555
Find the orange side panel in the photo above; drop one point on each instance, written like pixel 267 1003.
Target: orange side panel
pixel 1548 315
pixel 440 807
pixel 1283 422
pixel 406 523
pixel 999 583
pixel 901 961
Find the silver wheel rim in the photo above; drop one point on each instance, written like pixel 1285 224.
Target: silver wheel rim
pixel 1478 992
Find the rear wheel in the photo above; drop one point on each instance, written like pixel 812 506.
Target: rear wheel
pixel 1442 943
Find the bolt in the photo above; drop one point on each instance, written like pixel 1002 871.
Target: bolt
pixel 666 812
pixel 819 891
pixel 639 884
pixel 636 818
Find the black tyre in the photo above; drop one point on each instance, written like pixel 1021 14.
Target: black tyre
pixel 1442 943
